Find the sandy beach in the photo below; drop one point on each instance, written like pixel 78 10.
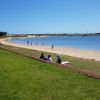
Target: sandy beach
pixel 86 54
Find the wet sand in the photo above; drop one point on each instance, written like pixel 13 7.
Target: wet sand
pixel 86 54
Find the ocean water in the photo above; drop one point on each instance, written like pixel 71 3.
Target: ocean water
pixel 81 42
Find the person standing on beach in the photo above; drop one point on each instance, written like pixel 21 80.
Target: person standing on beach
pixel 52 47
pixel 42 43
pixel 31 43
pixel 27 42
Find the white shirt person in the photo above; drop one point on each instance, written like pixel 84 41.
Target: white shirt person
pixel 49 58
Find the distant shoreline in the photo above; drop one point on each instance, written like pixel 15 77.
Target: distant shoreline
pixel 54 34
pixel 85 54
pixel 84 43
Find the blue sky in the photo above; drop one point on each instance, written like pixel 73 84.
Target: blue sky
pixel 49 16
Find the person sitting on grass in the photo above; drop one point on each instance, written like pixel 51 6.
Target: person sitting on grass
pixel 42 56
pixel 49 58
pixel 59 61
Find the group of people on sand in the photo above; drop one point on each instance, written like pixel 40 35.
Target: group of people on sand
pixel 49 58
pixel 31 43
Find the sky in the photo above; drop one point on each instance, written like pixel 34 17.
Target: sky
pixel 49 16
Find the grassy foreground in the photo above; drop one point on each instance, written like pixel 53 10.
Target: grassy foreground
pixel 22 78
pixel 90 65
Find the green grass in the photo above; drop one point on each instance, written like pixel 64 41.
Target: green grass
pixel 91 65
pixel 22 78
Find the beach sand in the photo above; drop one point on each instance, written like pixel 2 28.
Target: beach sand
pixel 86 54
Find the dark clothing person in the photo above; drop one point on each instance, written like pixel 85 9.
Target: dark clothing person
pixel 52 47
pixel 58 60
pixel 42 56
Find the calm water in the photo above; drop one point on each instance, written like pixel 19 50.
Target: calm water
pixel 85 42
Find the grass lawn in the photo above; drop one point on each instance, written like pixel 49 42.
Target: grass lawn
pixel 91 65
pixel 22 78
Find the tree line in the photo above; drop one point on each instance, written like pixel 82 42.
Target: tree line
pixel 3 33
